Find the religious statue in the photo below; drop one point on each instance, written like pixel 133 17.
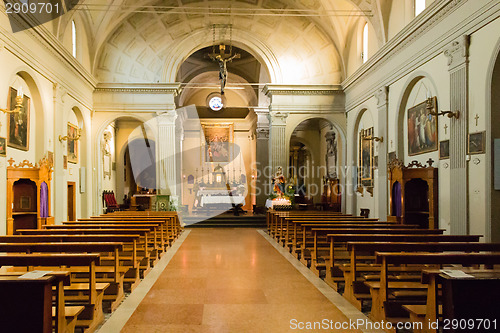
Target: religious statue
pixel 222 58
pixel 279 183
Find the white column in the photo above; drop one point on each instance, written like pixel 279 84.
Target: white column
pixel 59 202
pixel 167 181
pixel 278 154
pixel 382 106
pixel 262 156
pixel 458 63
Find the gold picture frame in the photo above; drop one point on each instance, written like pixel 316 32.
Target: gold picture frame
pixel 72 143
pixel 18 123
pixel 217 142
pixel 422 129
pixel 366 157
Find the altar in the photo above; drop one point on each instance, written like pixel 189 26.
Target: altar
pixel 222 200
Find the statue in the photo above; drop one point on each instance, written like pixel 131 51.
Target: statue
pixel 279 183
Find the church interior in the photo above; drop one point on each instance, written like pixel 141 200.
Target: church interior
pixel 250 166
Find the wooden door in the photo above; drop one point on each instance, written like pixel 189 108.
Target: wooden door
pixel 71 201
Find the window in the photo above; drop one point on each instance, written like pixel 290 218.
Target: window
pixel 419 6
pixel 365 43
pixel 73 38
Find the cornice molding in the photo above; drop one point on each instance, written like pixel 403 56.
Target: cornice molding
pixel 292 89
pixel 307 109
pixel 457 52
pixel 139 88
pixel 438 11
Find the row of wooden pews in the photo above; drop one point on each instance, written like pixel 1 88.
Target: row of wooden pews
pixel 397 269
pixel 92 263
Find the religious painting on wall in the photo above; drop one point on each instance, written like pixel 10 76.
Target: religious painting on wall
pixel 476 143
pixel 422 129
pixel 218 142
pixel 3 147
pixel 366 158
pixel 72 143
pixel 18 122
pixel 444 149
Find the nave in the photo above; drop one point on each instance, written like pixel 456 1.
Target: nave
pixel 232 280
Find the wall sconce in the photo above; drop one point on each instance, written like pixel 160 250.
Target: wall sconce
pixel 74 138
pixel 373 138
pixel 19 103
pixel 431 107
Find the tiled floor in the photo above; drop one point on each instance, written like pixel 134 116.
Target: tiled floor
pixel 230 280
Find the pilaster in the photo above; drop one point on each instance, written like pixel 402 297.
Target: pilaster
pixel 167 180
pixel 262 156
pixel 278 153
pixel 458 65
pixel 382 96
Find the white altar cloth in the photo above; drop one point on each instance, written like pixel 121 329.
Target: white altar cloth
pixel 222 199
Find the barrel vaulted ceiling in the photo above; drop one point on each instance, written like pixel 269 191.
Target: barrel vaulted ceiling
pixel 305 41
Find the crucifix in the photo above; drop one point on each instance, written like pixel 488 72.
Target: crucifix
pixel 445 128
pixel 223 58
pixel 476 117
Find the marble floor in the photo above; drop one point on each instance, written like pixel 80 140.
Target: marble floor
pixel 234 280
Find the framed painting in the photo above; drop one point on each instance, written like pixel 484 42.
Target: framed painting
pixel 217 146
pixel 476 143
pixel 422 129
pixel 65 162
pixel 444 149
pixel 18 123
pixel 72 143
pixel 366 158
pixel 3 147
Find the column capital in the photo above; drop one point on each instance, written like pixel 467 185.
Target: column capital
pixel 262 132
pixel 382 96
pixel 59 93
pixel 167 118
pixel 278 118
pixel 457 52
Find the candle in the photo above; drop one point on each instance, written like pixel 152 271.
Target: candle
pixel 20 92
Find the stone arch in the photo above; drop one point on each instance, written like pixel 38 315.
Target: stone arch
pixel 96 147
pixel 492 132
pixel 410 83
pixel 241 39
pixel 29 77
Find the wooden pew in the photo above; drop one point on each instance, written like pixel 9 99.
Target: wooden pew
pixel 146 261
pixel 114 274
pixel 170 228
pixel 63 317
pixel 303 229
pixel 355 249
pixel 155 237
pixel 93 314
pixel 334 276
pixel 274 218
pixel 130 258
pixel 380 295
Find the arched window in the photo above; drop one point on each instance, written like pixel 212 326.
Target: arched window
pixel 73 38
pixel 419 6
pixel 365 43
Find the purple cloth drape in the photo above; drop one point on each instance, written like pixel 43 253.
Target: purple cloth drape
pixel 44 200
pixel 396 197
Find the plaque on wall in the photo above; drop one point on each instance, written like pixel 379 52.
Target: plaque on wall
pixel 476 143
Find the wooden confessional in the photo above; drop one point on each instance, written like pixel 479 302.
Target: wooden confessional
pixel 28 195
pixel 413 194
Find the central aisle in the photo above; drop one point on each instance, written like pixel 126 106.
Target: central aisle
pixel 230 280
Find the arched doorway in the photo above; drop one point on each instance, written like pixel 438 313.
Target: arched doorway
pixel 495 140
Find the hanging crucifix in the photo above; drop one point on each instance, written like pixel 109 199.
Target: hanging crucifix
pixel 223 58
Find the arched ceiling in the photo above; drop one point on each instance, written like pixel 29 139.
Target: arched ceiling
pixel 132 40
